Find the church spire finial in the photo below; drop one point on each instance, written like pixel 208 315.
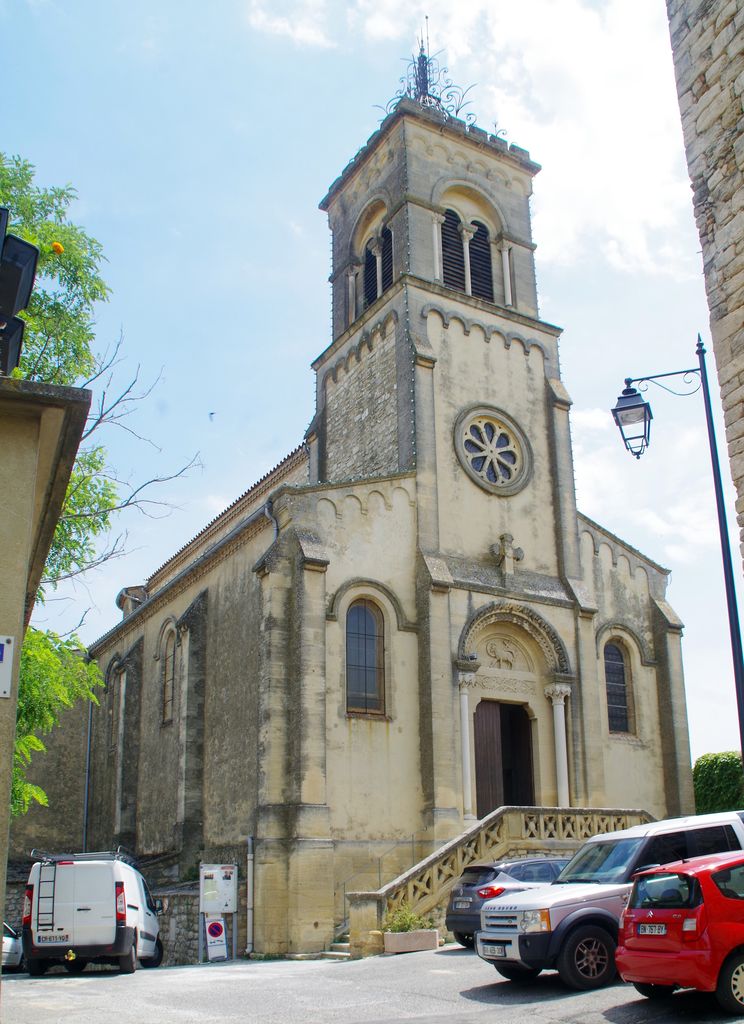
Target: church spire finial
pixel 426 82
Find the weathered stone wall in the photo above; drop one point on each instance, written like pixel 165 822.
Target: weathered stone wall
pixel 708 44
pixel 361 416
pixel 60 771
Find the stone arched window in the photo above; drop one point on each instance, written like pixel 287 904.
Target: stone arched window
pixel 617 682
pixel 453 256
pixel 378 266
pixel 365 658
pixel 169 675
pixel 481 269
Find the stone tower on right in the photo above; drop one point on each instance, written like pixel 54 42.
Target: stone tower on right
pixel 708 45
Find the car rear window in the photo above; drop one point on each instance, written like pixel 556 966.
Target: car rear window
pixel 665 892
pixel 532 872
pixel 478 875
pixel 730 881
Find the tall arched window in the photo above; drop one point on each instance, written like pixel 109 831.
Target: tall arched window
pixel 617 689
pixel 169 673
pixel 481 270
pixel 453 257
pixel 365 659
pixel 378 266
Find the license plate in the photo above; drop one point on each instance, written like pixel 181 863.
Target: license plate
pixel 42 939
pixel 652 929
pixel 462 904
pixel 491 949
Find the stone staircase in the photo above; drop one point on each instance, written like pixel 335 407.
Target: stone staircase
pixel 339 950
pixel 506 832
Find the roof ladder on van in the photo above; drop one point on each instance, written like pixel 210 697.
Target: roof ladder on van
pixel 45 905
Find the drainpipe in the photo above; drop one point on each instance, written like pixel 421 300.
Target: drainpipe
pixel 268 511
pixel 249 895
pixel 87 778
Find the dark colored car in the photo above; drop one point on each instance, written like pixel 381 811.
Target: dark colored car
pixel 683 927
pixel 481 882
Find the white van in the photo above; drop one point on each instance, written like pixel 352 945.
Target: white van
pixel 83 908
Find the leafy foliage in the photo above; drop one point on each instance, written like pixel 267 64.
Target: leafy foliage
pixel 405 919
pixel 719 782
pixel 55 674
pixel 57 345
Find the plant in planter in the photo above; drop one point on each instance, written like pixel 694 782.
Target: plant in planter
pixel 405 931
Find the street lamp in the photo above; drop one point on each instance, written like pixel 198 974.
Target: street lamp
pixel 18 261
pixel 633 417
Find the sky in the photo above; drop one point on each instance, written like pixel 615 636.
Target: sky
pixel 201 139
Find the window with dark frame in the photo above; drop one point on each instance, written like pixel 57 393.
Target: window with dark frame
pixel 453 257
pixel 370 267
pixel 617 689
pixel 365 659
pixel 481 269
pixel 169 672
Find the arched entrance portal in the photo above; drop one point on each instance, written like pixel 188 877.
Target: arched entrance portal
pixel 503 756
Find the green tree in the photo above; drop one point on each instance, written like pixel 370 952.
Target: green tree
pixel 55 674
pixel 58 349
pixel 719 782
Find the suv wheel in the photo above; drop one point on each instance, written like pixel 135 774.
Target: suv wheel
pixel 730 988
pixel 587 958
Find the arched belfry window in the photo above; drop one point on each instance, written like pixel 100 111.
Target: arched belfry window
pixel 378 266
pixel 453 257
pixel 365 659
pixel 481 270
pixel 617 688
pixel 169 674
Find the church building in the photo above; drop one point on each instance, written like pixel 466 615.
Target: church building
pixel 407 623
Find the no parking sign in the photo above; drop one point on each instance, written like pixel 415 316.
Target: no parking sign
pixel 216 937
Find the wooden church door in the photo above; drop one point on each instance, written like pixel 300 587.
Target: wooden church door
pixel 503 756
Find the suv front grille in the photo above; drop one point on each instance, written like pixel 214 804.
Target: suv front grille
pixel 499 919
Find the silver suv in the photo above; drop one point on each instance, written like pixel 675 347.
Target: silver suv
pixel 571 925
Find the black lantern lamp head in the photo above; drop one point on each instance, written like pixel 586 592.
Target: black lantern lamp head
pixel 633 417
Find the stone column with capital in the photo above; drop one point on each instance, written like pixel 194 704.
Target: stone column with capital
pixel 506 271
pixel 437 219
pixel 557 695
pixel 466 679
pixel 467 233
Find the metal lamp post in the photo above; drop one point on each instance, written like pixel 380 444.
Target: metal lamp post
pixel 633 417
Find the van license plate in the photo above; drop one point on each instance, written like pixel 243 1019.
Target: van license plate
pixel 42 939
pixel 494 950
pixel 462 904
pixel 652 929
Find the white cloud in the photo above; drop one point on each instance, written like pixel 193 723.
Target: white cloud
pixel 302 22
pixel 590 90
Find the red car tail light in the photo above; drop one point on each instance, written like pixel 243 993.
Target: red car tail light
pixel 121 904
pixel 28 902
pixel 489 892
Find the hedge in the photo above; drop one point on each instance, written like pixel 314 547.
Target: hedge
pixel 719 782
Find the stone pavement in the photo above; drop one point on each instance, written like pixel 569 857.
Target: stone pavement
pixel 448 985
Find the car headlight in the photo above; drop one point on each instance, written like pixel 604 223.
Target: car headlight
pixel 535 920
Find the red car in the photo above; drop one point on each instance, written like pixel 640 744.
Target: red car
pixel 683 927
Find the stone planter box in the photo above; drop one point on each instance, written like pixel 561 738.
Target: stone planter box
pixel 411 942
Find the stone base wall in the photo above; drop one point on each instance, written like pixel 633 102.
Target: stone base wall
pixel 708 44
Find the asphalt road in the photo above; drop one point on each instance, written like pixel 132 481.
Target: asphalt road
pixel 446 986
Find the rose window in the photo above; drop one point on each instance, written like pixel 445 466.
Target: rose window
pixel 492 450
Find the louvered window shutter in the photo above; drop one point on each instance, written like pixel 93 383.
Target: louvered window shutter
pixel 370 277
pixel 453 258
pixel 387 258
pixel 481 271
